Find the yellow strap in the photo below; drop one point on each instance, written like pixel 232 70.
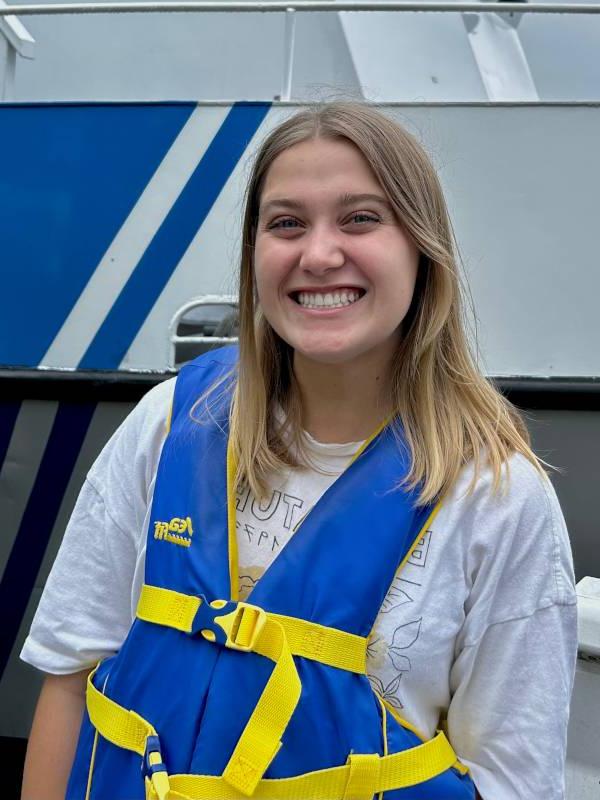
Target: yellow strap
pixel 261 738
pixel 308 639
pixel 364 775
pixel 121 727
pixel 396 771
pixel 128 730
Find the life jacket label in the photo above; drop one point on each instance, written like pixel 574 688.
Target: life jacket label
pixel 178 531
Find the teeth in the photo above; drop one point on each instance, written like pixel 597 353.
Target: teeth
pixel 328 300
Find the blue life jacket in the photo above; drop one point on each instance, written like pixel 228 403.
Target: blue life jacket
pixel 213 698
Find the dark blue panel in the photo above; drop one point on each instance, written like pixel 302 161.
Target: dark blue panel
pixel 64 443
pixel 174 237
pixel 70 178
pixel 8 417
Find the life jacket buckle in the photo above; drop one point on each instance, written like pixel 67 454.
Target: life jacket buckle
pixel 243 626
pixel 236 625
pixel 154 770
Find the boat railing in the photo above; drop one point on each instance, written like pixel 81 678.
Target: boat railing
pixel 14 39
pixel 498 44
pixel 223 326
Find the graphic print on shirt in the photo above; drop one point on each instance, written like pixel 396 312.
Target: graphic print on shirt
pixel 388 651
pixel 263 528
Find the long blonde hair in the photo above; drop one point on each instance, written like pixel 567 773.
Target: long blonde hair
pixel 446 411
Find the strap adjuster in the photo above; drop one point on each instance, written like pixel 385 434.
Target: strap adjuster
pixel 243 626
pixel 236 625
pixel 154 769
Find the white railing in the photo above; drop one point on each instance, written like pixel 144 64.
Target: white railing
pixel 19 40
pixel 304 5
pixel 14 39
pixel 197 302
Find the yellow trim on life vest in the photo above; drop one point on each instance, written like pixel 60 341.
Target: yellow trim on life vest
pixel 414 545
pixel 91 767
pixel 404 723
pixel 383 729
pixel 169 419
pixel 231 527
pixel 370 439
pixel 330 646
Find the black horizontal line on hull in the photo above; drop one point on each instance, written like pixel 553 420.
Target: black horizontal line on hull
pixel 564 392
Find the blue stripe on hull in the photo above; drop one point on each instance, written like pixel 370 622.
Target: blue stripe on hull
pixel 64 443
pixel 73 177
pixel 166 250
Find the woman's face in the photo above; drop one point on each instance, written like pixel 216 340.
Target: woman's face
pixel 335 272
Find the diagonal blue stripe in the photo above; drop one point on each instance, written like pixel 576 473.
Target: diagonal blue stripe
pixel 77 172
pixel 64 443
pixel 165 251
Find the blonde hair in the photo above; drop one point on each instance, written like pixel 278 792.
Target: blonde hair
pixel 446 411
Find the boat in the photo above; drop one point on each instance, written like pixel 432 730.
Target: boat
pixel 125 142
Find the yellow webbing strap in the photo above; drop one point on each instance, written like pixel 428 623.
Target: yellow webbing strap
pixel 261 738
pixel 121 727
pixel 308 639
pixel 128 730
pixel 396 771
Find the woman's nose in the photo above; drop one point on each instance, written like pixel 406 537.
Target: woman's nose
pixel 321 251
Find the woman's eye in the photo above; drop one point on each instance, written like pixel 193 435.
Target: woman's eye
pixel 362 218
pixel 286 223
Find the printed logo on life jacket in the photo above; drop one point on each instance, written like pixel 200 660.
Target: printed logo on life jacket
pixel 177 531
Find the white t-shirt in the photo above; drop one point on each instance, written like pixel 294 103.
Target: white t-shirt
pixel 480 625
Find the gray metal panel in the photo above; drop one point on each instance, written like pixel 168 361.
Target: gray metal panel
pixel 569 441
pixel 410 57
pixel 563 55
pixel 20 683
pixel 522 186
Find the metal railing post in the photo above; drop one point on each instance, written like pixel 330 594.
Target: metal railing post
pixel 8 62
pixel 17 39
pixel 289 42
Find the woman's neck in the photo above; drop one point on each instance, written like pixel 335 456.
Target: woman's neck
pixel 342 402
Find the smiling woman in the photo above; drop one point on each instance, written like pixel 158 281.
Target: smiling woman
pixel 372 551
pixel 326 228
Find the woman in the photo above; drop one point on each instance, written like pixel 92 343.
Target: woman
pixel 355 474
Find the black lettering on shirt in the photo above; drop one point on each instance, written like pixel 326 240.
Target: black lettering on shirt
pixel 263 514
pixel 292 503
pixel 241 501
pixel 249 530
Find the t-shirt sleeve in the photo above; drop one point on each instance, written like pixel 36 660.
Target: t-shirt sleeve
pixel 513 673
pixel 85 610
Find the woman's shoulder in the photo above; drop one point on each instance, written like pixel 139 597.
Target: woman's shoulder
pixel 513 538
pixel 523 487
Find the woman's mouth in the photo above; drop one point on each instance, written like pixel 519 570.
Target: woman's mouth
pixel 337 298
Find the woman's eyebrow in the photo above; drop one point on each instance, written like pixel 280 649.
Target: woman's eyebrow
pixel 343 200
pixel 353 199
pixel 282 202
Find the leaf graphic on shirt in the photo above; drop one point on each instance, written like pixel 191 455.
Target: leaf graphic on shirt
pixel 388 692
pixel 395 598
pixel 404 637
pixel 400 662
pixel 376 649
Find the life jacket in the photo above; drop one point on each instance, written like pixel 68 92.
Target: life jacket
pixel 210 697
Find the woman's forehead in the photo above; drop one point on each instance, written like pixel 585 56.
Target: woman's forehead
pixel 332 167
